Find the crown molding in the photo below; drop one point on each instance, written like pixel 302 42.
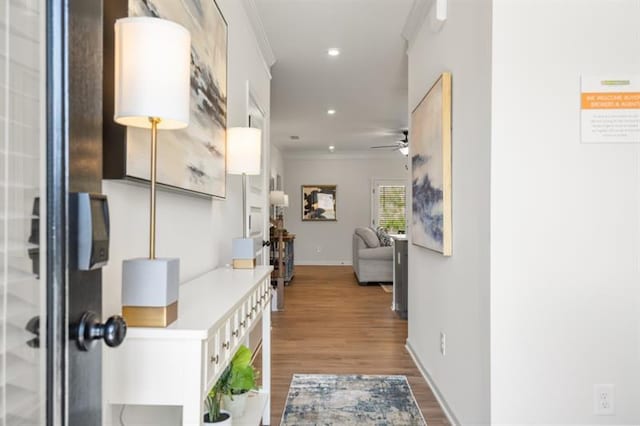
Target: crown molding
pixel 417 15
pixel 260 34
pixel 344 155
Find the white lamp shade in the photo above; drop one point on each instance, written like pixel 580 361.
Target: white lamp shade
pixel 286 201
pixel 243 150
pixel 152 73
pixel 277 198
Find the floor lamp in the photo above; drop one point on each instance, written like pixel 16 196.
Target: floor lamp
pixel 244 146
pixel 152 89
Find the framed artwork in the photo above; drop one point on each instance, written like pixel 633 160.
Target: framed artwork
pixel 431 168
pixel 319 202
pixel 192 159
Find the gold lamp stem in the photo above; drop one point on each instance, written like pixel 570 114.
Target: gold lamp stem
pixel 152 214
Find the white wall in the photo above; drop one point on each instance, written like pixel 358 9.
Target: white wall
pixel 452 294
pixel 196 230
pixel 353 177
pixel 564 216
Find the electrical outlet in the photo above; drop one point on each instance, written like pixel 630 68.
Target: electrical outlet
pixel 318 249
pixel 443 343
pixel 604 400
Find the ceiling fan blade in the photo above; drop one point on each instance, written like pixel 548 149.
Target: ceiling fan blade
pixel 383 146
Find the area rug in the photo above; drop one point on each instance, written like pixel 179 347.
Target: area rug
pixel 387 288
pixel 318 399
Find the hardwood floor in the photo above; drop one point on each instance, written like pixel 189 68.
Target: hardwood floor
pixel 332 325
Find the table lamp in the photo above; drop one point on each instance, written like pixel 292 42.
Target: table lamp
pixel 243 158
pixel 152 88
pixel 276 199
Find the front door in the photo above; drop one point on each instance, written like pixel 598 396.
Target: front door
pixel 84 150
pixel 50 148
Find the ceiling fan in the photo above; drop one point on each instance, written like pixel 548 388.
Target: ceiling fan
pixel 401 145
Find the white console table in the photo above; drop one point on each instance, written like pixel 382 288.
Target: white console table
pixel 177 365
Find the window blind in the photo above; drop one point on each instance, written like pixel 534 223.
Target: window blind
pixel 20 153
pixel 392 207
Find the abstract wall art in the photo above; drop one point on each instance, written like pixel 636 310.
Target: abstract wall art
pixel 431 168
pixel 192 159
pixel 319 202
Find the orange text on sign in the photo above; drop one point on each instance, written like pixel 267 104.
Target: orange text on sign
pixel 628 100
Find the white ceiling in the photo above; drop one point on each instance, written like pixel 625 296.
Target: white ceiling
pixel 366 84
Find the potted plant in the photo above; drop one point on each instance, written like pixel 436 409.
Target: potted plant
pixel 242 379
pixel 214 414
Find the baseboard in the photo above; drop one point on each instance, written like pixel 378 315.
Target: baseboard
pixel 323 263
pixel 434 388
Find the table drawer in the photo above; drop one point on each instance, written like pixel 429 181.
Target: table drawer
pixel 213 358
pixel 225 340
pixel 237 329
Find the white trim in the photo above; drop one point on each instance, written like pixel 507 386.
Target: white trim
pixel 434 388
pixel 415 401
pixel 323 262
pixel 415 19
pixel 260 35
pixel 347 155
pixel 252 99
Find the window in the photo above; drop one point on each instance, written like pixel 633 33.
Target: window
pixel 389 205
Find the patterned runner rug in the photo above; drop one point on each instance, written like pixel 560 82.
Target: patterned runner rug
pixel 318 399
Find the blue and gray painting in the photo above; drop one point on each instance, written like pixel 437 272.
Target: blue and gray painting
pixel 427 204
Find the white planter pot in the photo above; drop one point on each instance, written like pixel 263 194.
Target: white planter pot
pixel 226 422
pixel 236 406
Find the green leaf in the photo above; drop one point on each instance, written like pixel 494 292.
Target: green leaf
pixel 242 358
pixel 242 379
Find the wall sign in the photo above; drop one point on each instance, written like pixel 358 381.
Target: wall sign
pixel 610 110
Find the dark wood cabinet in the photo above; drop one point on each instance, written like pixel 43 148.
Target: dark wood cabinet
pixel 400 276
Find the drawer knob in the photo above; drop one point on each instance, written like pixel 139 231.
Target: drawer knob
pixel 214 359
pixel 236 333
pixel 254 308
pixel 243 323
pixel 226 345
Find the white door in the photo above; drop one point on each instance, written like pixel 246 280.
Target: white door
pixel 257 196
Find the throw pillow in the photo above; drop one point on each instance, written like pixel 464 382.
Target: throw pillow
pixel 369 237
pixel 384 237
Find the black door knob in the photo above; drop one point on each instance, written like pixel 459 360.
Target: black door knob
pixel 89 329
pixel 33 327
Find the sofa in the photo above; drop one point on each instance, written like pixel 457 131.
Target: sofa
pixel 372 263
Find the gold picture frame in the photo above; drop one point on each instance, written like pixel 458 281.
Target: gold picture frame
pixel 430 148
pixel 319 203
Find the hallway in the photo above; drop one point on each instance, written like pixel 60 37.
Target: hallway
pixel 332 325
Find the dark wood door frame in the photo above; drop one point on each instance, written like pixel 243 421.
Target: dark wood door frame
pixel 56 208
pixel 74 164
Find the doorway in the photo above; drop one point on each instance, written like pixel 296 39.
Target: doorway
pixel 50 149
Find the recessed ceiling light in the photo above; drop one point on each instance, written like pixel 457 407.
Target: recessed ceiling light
pixel 334 51
pixel 331 111
pixel 332 148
